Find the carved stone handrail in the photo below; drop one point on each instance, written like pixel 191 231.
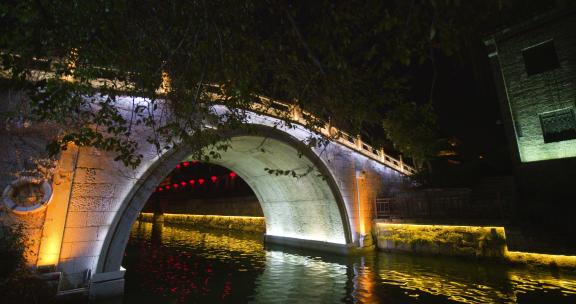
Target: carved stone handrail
pixel 277 109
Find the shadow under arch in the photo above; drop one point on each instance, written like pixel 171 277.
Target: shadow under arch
pixel 308 212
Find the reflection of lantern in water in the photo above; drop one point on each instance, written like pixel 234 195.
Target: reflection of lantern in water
pixel 364 281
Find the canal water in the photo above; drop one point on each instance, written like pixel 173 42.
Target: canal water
pixel 179 264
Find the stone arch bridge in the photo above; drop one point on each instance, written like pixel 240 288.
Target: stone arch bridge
pixel 85 225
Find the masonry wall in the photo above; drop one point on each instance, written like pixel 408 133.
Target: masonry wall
pixel 362 179
pixel 23 143
pixel 545 172
pixel 530 96
pixel 91 191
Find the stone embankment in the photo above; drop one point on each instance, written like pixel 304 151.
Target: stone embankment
pixel 461 241
pixel 238 223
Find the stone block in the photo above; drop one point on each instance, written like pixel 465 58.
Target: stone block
pixel 106 190
pixel 80 234
pixel 66 265
pixel 82 264
pixel 66 250
pixel 85 249
pixel 96 175
pixel 76 219
pixel 91 203
pixel 102 232
pixel 100 218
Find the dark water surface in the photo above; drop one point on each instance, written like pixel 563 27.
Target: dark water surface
pixel 176 264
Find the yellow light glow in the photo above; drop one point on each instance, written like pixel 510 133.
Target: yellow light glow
pixel 51 242
pixel 165 86
pixel 454 235
pixel 215 241
pixel 55 220
pixel 51 252
pixel 564 261
pixel 183 216
pixel 246 223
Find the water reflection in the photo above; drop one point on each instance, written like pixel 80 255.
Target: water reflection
pixel 471 282
pixel 180 264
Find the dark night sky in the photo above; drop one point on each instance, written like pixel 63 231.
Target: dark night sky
pixel 465 101
pixel 465 94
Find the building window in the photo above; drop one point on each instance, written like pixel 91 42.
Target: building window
pixel 558 125
pixel 540 58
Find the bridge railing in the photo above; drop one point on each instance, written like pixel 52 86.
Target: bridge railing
pixel 273 108
pixel 281 109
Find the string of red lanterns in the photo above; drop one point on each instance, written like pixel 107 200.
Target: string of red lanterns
pixel 186 164
pixel 214 179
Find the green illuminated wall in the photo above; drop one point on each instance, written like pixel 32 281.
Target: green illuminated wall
pixel 527 97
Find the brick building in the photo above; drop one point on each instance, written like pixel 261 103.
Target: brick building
pixel 534 66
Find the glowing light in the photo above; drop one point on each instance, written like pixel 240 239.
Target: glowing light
pixel 232 175
pixel 175 186
pixel 464 240
pixel 178 166
pixel 200 181
pixel 192 182
pixel 52 251
pixel 185 164
pixel 165 85
pixel 488 238
pixel 183 184
pixel 167 187
pixel 214 178
pixel 542 259
pixel 160 189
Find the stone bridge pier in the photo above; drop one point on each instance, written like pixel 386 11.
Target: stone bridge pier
pixel 84 225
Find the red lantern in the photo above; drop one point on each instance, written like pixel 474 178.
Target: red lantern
pixel 160 189
pixel 214 178
pixel 167 187
pixel 200 181
pixel 183 184
pixel 178 166
pixel 192 182
pixel 185 164
pixel 175 186
pixel 232 174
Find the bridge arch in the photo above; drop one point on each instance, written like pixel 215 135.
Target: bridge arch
pixel 307 211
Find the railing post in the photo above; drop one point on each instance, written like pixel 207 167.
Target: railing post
pixel 382 155
pixel 327 126
pixel 359 142
pixel 401 163
pixel 296 113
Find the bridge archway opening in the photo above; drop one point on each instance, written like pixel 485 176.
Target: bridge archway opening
pixel 200 188
pixel 305 212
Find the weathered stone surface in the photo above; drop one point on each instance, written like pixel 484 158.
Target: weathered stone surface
pixel 80 234
pixel 106 198
pixel 442 240
pixel 93 203
pixel 238 223
pixel 82 189
pixel 529 96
